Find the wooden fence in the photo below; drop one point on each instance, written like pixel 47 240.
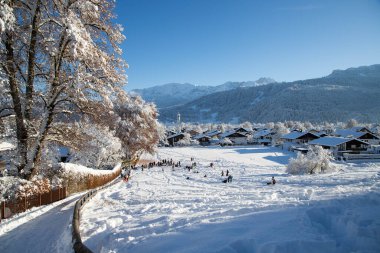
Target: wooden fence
pixel 19 205
pixel 347 156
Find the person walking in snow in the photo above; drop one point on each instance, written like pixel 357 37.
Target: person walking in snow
pixel 222 173
pixel 227 172
pixel 273 181
pixel 229 179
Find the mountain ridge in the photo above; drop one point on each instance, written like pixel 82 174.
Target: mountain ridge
pixel 342 95
pixel 174 94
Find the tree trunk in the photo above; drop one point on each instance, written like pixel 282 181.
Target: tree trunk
pixel 31 62
pixel 21 131
pixel 36 152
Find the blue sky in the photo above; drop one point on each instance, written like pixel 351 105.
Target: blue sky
pixel 209 42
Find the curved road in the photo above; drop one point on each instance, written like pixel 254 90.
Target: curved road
pixel 42 229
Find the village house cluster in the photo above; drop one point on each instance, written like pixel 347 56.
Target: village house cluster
pixel 356 143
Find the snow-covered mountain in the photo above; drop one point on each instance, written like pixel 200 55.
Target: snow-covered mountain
pixel 342 95
pixel 174 94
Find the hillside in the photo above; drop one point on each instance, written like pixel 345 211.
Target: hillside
pixel 344 94
pixel 175 94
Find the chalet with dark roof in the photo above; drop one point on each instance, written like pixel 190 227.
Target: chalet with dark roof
pixel 340 145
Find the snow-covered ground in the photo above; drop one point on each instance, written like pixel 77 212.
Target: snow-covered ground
pixel 181 211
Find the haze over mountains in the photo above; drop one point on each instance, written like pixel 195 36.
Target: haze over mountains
pixel 342 95
pixel 174 94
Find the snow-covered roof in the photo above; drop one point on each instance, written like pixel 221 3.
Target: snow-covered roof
pixel 212 133
pixel 330 141
pixel 225 134
pixel 231 132
pixel 174 135
pixel 243 129
pixel 348 133
pixel 262 133
pixel 295 135
pixel 4 146
pixel 359 129
pixel 199 136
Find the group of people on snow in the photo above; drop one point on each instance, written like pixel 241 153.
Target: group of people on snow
pixel 173 164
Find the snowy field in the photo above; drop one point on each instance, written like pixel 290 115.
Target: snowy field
pixel 160 210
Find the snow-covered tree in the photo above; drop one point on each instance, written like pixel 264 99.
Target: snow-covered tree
pixel 351 123
pixel 185 141
pixel 57 59
pixel 102 149
pixel 279 129
pixel 137 126
pixel 269 125
pixel 161 131
pixel 226 141
pixel 247 125
pixel 316 160
pixel 308 125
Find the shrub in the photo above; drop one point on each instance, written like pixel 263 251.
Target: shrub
pixel 317 160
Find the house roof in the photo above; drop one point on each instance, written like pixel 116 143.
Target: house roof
pixel 359 129
pixel 231 132
pixel 175 135
pixel 199 136
pixel 348 133
pixel 262 133
pixel 212 133
pixel 295 135
pixel 242 129
pixel 330 141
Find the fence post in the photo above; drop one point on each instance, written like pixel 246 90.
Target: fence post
pixel 25 207
pixel 2 210
pixel 51 196
pixel 40 198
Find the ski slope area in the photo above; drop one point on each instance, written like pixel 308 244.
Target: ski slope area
pixel 161 210
pixel 40 229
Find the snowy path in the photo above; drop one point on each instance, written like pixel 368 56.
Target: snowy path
pixel 163 211
pixel 41 229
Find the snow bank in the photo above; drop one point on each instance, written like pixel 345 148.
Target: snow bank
pixel 6 146
pixel 71 168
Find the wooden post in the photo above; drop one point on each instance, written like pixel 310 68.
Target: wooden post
pixel 25 203
pixel 40 198
pixel 2 210
pixel 51 196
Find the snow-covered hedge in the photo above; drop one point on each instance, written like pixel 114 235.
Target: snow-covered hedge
pixel 80 178
pixel 15 187
pixel 316 160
